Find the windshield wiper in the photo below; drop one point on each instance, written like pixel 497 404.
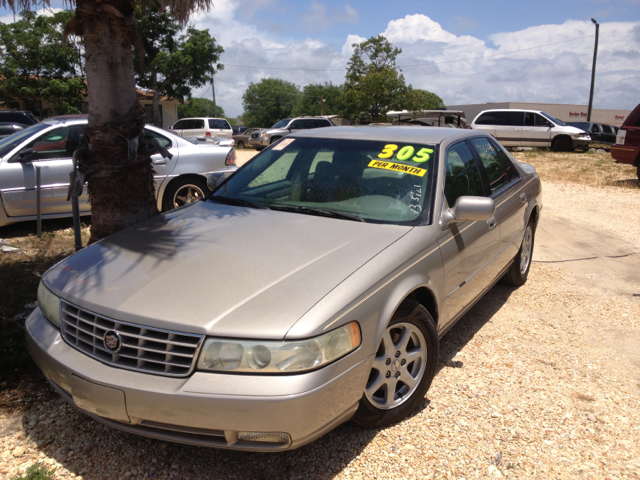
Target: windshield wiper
pixel 239 202
pixel 321 212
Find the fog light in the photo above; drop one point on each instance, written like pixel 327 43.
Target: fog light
pixel 267 437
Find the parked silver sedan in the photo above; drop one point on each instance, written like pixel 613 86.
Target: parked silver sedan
pixel 316 283
pixel 50 144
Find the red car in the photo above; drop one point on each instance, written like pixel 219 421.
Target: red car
pixel 627 146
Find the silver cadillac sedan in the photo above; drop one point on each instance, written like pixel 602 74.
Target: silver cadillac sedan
pixel 310 288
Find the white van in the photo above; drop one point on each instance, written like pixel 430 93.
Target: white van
pixel 530 128
pixel 203 127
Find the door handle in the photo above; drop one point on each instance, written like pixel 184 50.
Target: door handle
pixel 523 197
pixel 160 161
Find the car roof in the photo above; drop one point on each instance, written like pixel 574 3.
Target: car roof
pixel 390 133
pixel 511 110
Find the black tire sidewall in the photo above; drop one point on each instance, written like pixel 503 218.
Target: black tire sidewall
pixel 175 185
pixel 368 415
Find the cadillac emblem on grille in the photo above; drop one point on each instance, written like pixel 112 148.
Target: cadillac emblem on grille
pixel 112 341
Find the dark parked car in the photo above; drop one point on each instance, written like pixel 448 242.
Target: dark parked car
pixel 22 117
pixel 627 146
pixel 599 132
pixel 9 128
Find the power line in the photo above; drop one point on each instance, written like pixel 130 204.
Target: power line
pixel 413 65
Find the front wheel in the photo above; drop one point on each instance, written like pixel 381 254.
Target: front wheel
pixel 183 191
pixel 562 144
pixel 519 270
pixel 240 144
pixel 403 368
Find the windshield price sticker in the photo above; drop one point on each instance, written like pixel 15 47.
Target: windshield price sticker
pixel 397 167
pixel 283 143
pixel 406 153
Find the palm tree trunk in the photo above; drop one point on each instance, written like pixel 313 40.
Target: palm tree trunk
pixel 121 190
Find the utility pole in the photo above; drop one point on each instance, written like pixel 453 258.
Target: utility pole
pixel 213 91
pixel 593 70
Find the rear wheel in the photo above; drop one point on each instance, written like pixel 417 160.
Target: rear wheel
pixel 562 144
pixel 519 270
pixel 403 368
pixel 183 191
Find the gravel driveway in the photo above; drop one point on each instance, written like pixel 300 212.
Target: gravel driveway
pixel 537 382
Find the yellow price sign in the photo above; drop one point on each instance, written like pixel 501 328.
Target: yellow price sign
pixel 406 153
pixel 398 167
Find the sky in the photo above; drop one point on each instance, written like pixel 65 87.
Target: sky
pixel 464 51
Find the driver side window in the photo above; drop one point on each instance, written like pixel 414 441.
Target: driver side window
pixel 52 145
pixel 462 175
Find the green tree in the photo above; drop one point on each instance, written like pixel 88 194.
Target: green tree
pixel 373 83
pixel 119 173
pixel 37 72
pixel 173 64
pixel 268 101
pixel 312 95
pixel 199 107
pixel 416 99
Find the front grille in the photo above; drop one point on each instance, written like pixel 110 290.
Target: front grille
pixel 144 349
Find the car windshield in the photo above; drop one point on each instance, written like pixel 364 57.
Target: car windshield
pixel 363 180
pixel 282 123
pixel 12 141
pixel 554 120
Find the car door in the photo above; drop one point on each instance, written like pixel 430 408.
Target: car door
pixel 507 191
pixel 163 166
pixel 467 248
pixel 51 151
pixel 596 132
pixel 536 130
pixel 509 130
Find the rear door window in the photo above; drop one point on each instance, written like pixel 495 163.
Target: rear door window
pixel 498 167
pixel 462 176
pixel 198 123
pixel 297 125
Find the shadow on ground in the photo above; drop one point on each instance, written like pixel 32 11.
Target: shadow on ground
pixel 94 451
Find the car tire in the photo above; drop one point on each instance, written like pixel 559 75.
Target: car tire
pixel 638 174
pixel 240 144
pixel 562 144
pixel 184 190
pixel 411 333
pixel 519 270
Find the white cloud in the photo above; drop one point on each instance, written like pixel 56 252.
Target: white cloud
pixel 347 14
pixel 556 74
pixel 47 12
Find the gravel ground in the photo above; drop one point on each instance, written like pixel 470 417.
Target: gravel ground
pixel 537 382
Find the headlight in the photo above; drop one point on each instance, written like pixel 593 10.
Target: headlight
pixel 255 356
pixel 581 135
pixel 49 304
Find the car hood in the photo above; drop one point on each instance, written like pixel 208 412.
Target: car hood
pixel 219 270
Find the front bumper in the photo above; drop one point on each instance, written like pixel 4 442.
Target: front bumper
pixel 205 408
pixel 581 143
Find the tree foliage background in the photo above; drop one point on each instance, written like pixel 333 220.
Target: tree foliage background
pixel 173 62
pixel 312 94
pixel 37 72
pixel 268 101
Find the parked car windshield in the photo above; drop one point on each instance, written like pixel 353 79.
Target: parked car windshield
pixel 282 123
pixel 554 120
pixel 371 180
pixel 12 141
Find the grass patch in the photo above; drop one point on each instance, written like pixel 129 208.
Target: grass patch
pixel 37 471
pixel 588 168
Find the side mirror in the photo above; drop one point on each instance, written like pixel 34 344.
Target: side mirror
pixel 27 155
pixel 215 179
pixel 469 209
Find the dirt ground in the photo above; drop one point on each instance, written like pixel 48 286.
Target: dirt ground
pixel 541 381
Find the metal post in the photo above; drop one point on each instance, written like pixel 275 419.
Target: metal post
pixel 38 200
pixel 593 70
pixel 213 91
pixel 75 208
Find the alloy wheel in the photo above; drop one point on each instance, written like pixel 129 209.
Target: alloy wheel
pixel 398 367
pixel 187 194
pixel 525 253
